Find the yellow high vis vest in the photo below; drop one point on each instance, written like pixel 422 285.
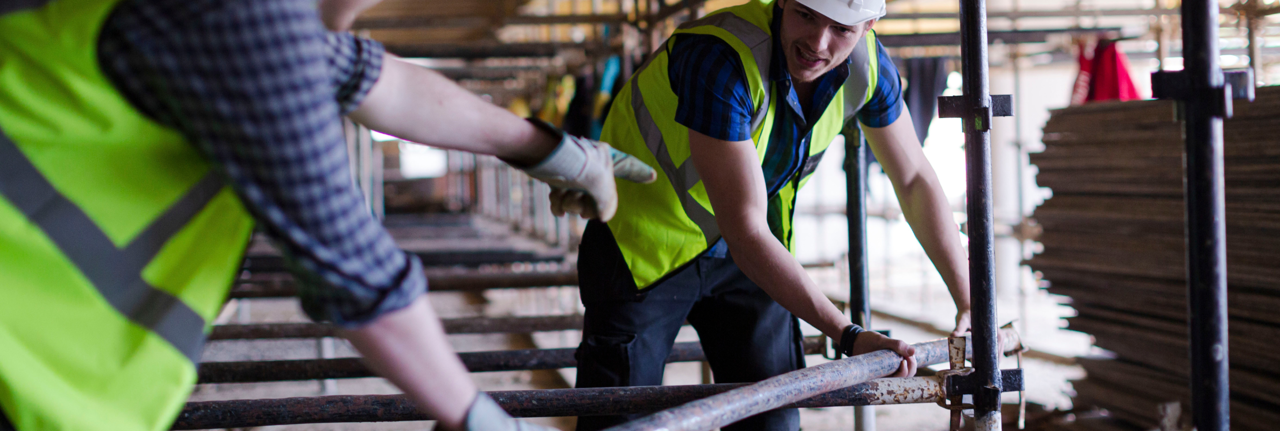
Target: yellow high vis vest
pixel 662 226
pixel 118 242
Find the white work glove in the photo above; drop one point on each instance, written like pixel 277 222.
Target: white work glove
pixel 487 415
pixel 581 172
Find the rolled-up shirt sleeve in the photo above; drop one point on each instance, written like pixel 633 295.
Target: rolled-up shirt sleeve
pixel 886 103
pixel 260 87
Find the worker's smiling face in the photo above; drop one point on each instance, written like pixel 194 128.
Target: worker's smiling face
pixel 813 43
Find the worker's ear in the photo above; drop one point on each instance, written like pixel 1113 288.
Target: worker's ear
pixel 338 15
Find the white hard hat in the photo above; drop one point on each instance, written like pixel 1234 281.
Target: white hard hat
pixel 848 12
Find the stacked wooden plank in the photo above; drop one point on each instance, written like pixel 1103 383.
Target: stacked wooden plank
pixel 1114 243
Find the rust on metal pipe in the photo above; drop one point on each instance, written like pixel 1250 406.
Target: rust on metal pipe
pixel 528 403
pixel 343 368
pixel 274 285
pixel 776 392
pixel 468 325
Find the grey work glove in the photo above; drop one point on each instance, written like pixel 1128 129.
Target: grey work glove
pixel 487 415
pixel 581 172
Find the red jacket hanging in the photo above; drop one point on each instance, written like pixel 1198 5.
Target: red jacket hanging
pixel 1105 76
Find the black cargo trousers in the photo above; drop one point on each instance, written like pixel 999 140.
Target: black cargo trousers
pixel 628 333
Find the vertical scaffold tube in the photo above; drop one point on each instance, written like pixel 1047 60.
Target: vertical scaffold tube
pixel 1206 224
pixel 977 128
pixel 855 170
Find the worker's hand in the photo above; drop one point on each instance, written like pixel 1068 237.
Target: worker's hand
pixel 871 341
pixel 487 415
pixel 964 326
pixel 581 173
pixel 962 323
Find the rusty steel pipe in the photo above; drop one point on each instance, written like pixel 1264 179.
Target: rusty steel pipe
pixel 476 362
pixel 283 285
pixel 779 391
pixel 467 325
pixel 528 403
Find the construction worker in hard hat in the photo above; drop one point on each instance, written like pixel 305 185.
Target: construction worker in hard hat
pixel 142 140
pixel 736 109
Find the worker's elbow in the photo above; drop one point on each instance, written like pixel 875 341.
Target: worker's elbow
pixel 737 230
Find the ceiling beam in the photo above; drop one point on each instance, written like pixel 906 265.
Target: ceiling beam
pixel 482 21
pixel 1005 36
pixel 1046 14
pixel 668 11
pixel 473 52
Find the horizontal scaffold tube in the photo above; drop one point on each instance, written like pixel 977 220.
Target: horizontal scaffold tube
pixel 505 360
pixel 726 408
pixel 466 325
pixel 282 285
pixel 528 403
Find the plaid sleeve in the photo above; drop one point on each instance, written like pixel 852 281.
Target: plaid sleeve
pixel 886 104
pixel 707 77
pixel 259 86
pixel 354 65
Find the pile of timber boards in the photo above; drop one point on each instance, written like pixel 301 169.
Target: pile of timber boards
pixel 1114 243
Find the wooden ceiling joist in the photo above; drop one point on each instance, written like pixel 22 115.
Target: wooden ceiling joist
pixel 509 50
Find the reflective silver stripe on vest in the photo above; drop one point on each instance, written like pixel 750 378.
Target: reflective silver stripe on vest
pixel 7 6
pixel 682 177
pixel 685 176
pixel 858 82
pixel 115 273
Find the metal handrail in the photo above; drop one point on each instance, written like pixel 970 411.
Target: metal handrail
pixel 729 407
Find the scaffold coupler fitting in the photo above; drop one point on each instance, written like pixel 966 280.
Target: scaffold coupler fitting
pixel 959 380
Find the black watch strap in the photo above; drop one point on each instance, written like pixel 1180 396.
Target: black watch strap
pixel 849 337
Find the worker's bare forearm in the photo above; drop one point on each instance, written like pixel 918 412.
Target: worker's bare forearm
pixel 768 263
pixel 925 207
pixel 409 348
pixel 731 173
pixel 923 202
pixel 421 105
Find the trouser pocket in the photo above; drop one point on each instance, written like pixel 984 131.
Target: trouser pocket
pixel 604 360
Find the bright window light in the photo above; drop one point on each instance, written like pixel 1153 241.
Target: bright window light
pixel 421 161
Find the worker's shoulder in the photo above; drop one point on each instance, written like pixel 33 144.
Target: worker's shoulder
pixel 703 48
pixel 705 58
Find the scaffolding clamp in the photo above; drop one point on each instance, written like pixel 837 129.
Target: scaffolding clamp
pixel 977 118
pixel 1175 85
pixel 959 380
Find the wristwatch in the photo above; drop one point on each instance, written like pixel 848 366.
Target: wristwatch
pixel 849 337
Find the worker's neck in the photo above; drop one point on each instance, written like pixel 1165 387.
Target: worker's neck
pixel 804 92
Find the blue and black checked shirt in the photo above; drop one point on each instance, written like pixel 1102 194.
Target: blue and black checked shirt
pixel 260 88
pixel 708 77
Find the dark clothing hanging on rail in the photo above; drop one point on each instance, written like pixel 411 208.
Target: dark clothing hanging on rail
pixel 926 80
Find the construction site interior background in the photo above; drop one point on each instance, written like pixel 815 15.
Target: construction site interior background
pixel 562 60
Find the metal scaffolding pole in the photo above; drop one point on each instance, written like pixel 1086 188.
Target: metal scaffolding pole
pixel 856 210
pixel 1205 94
pixel 1256 23
pixel 345 368
pixel 977 136
pixel 855 170
pixel 279 285
pixel 717 411
pixel 465 325
pixel 1206 224
pixel 527 403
